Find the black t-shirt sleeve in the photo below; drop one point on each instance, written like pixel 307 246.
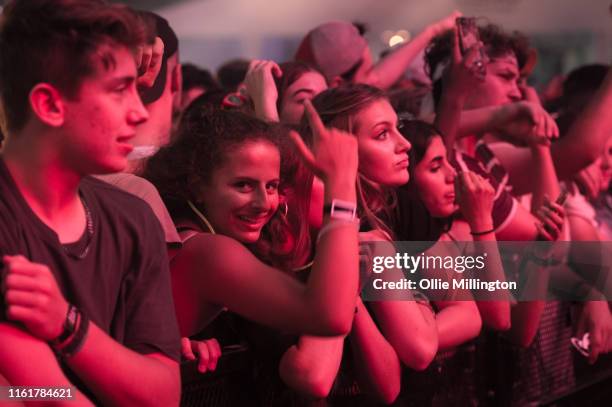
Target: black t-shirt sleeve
pixel 150 324
pixel 7 247
pixel 7 232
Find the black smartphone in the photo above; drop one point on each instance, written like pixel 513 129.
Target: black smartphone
pixel 468 38
pixel 468 33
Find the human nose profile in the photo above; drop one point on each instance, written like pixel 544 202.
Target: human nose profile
pixel 450 172
pixel 515 94
pixel 402 145
pixel 138 113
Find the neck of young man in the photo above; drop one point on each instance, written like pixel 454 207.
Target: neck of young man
pixel 47 183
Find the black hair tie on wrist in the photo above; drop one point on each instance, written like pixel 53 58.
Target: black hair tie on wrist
pixel 69 326
pixel 75 343
pixel 486 232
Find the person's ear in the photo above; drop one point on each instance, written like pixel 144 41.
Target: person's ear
pixel 177 79
pixel 47 104
pixel 336 81
pixel 176 87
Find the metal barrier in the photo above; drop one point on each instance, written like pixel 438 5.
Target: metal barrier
pixel 228 386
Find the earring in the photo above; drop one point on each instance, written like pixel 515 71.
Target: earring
pixel 283 209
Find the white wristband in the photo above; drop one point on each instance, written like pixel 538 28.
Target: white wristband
pixel 343 210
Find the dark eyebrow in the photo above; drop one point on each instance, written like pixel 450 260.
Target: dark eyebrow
pixel 436 159
pixel 303 90
pixel 122 80
pixel 249 179
pixel 239 178
pixel 507 66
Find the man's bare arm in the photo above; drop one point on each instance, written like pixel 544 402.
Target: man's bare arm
pixel 28 361
pixel 120 376
pixel 114 373
pixel 389 69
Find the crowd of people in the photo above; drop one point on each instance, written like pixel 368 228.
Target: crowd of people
pixel 154 214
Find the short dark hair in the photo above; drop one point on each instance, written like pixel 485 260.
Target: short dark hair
pixel 584 80
pixel 196 77
pixel 497 43
pixel 579 88
pixel 231 74
pixel 56 41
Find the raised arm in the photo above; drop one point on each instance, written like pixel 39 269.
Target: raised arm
pixel 260 86
pixel 517 121
pixel 460 78
pixel 235 278
pixel 389 69
pixel 579 147
pixel 312 365
pixel 475 198
pixel 545 186
pixel 526 315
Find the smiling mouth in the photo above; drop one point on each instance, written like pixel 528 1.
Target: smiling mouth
pixel 253 222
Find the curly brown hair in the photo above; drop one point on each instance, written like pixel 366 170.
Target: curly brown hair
pixel 205 137
pixel 496 41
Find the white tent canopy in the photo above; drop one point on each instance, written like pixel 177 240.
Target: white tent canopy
pixel 214 30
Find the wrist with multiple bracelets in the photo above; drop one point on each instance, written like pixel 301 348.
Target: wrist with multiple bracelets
pixel 73 335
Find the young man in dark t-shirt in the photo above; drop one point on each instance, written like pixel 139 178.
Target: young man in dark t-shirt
pixel 86 295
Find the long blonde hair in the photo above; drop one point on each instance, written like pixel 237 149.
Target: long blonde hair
pixel 338 107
